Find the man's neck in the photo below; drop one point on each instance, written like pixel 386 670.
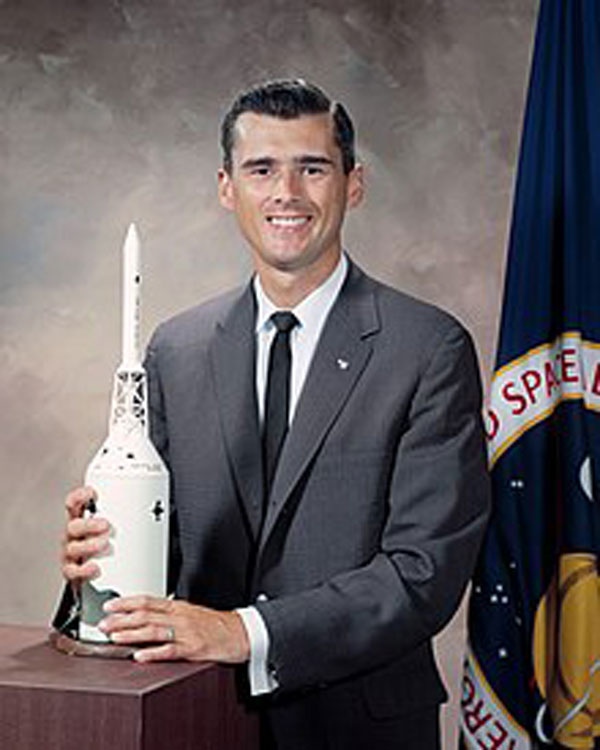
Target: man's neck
pixel 286 289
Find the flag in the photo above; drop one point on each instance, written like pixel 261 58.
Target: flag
pixel 532 668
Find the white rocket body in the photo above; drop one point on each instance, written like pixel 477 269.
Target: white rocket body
pixel 129 476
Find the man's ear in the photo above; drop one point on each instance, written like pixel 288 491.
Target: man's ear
pixel 355 189
pixel 225 188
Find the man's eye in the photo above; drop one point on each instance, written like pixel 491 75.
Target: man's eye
pixel 260 171
pixel 311 169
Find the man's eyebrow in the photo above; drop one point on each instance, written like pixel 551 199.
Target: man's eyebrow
pixel 309 159
pixel 303 160
pixel 261 161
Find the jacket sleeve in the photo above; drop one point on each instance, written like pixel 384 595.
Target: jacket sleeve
pixel 438 504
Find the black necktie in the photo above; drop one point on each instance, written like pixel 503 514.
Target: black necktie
pixel 277 397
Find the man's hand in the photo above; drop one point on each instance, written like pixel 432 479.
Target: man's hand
pixel 183 630
pixel 84 538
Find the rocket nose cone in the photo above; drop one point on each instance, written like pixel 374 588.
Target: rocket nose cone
pixel 132 238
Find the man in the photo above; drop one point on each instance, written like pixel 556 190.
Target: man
pixel 326 546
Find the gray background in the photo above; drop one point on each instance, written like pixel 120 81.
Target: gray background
pixel 110 112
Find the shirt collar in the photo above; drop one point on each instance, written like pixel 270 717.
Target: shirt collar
pixel 312 309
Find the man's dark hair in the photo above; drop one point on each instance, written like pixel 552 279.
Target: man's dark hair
pixel 288 100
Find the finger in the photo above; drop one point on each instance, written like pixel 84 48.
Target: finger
pixel 75 573
pixel 79 551
pixel 167 652
pixel 133 603
pixel 77 500
pixel 87 545
pixel 79 528
pixel 126 621
pixel 136 619
pixel 150 633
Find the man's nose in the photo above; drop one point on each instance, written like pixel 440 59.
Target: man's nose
pixel 288 186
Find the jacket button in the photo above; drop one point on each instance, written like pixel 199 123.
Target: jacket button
pixel 262 597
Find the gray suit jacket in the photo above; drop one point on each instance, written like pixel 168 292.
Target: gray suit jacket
pixel 379 500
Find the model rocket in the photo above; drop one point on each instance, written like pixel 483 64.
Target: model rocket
pixel 129 476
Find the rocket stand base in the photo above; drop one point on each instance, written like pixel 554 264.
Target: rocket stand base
pixel 73 647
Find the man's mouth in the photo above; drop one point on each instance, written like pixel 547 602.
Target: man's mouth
pixel 288 222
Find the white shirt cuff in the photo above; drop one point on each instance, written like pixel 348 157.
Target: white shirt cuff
pixel 261 681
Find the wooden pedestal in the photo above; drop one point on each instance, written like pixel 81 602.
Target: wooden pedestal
pixel 51 701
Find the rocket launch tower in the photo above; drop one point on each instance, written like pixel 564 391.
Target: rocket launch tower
pixel 129 476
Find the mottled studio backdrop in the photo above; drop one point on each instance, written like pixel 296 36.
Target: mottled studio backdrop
pixel 109 113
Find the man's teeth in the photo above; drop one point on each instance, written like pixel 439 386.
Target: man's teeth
pixel 288 221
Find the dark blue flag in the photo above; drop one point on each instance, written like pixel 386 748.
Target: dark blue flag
pixel 532 672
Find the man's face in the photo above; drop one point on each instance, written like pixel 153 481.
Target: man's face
pixel 288 190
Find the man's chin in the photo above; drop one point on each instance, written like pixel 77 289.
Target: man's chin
pixel 295 260
pixel 288 261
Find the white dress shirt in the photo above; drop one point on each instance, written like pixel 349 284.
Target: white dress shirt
pixel 311 313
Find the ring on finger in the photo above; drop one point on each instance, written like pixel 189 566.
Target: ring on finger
pixel 170 634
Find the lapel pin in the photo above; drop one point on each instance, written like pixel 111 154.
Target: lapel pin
pixel 343 364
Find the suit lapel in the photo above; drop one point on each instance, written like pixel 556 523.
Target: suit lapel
pixel 339 360
pixel 232 355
